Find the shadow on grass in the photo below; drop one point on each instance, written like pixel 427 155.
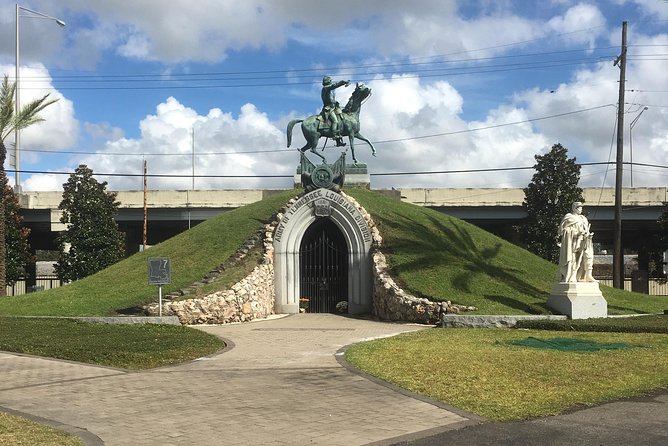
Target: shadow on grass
pixel 537 308
pixel 437 243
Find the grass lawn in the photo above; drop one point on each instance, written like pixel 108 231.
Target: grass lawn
pixel 478 371
pixel 18 431
pixel 135 347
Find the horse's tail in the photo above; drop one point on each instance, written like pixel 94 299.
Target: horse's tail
pixel 290 125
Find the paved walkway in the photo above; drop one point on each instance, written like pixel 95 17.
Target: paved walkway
pixel 279 384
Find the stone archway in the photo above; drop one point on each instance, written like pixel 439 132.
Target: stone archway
pixel 288 236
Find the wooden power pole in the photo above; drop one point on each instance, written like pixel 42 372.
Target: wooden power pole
pixel 618 252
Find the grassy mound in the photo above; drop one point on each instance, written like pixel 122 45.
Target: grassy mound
pixel 440 257
pixel 430 254
pixel 125 285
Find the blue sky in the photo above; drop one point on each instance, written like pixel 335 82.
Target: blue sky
pixel 458 87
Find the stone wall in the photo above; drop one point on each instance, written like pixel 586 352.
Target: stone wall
pixel 392 303
pixel 251 298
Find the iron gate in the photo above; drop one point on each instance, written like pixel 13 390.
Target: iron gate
pixel 323 260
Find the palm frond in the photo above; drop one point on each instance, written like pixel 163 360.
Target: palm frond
pixel 27 116
pixel 6 106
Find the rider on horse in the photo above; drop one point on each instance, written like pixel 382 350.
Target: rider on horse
pixel 330 108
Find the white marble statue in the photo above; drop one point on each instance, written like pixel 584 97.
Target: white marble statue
pixel 576 257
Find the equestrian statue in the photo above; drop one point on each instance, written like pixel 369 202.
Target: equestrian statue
pixel 332 121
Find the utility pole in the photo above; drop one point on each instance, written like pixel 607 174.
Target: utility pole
pixel 618 252
pixel 145 205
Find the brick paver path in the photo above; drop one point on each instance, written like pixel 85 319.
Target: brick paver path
pixel 279 384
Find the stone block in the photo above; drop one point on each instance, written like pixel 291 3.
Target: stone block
pixel 578 300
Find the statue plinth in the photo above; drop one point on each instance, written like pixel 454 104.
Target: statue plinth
pixel 578 300
pixel 331 176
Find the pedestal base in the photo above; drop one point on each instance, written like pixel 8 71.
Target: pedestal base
pixel 356 175
pixel 578 300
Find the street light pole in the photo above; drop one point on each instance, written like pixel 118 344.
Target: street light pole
pixel 631 140
pixel 17 103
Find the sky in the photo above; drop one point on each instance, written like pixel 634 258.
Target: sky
pixel 464 93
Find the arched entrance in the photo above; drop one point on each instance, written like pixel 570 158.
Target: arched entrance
pixel 323 265
pixel 345 227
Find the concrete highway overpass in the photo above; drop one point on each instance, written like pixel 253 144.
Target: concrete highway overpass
pixel 494 209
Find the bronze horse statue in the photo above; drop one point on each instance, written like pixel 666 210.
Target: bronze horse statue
pixel 314 129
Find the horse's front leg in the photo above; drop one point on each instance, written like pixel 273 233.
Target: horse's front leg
pixel 351 140
pixel 313 149
pixel 373 149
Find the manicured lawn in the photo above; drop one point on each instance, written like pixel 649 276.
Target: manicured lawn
pixel 18 431
pixel 125 346
pixel 479 371
pixel 440 257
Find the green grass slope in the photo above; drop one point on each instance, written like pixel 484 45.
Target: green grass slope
pixel 430 254
pixel 192 253
pixel 440 257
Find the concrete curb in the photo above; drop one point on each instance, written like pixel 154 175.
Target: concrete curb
pixel 490 321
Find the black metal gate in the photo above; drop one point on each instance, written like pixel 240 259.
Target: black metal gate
pixel 323 260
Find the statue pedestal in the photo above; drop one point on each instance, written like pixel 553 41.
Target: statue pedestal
pixel 578 300
pixel 356 175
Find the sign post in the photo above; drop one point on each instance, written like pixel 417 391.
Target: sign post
pixel 159 273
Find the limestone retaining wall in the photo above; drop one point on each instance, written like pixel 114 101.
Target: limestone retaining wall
pixel 251 298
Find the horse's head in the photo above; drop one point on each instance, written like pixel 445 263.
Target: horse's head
pixel 359 95
pixel 362 91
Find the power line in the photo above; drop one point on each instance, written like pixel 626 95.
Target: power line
pixel 431 172
pixel 288 83
pixel 434 135
pixel 498 125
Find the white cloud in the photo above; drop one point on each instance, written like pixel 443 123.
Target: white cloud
pixel 44 182
pixel 417 124
pixel 582 23
pixel 207 30
pixel 656 9
pixel 166 143
pixel 60 127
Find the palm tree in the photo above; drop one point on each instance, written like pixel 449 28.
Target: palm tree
pixel 9 122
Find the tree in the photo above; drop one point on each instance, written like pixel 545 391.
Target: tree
pixel 9 122
pixel 16 237
pixel 92 240
pixel 549 196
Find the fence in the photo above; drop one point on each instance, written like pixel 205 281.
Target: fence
pixel 41 283
pixel 656 287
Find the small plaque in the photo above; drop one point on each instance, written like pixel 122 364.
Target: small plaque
pixel 322 208
pixel 159 271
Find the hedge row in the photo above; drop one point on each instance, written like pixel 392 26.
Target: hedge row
pixel 635 324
